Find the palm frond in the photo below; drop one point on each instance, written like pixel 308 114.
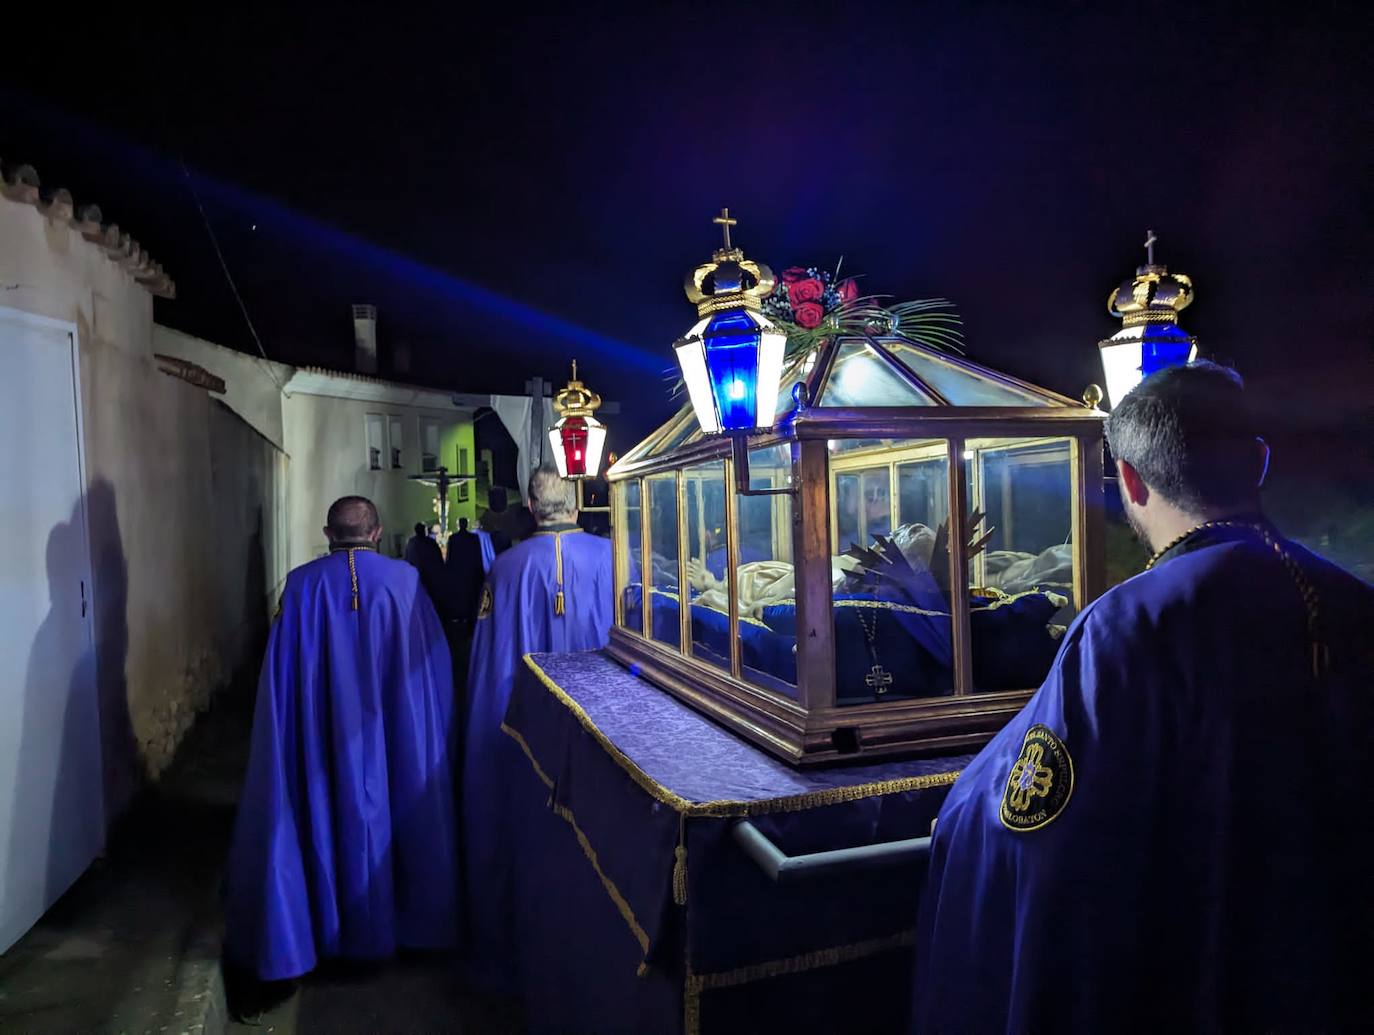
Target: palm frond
pixel 931 323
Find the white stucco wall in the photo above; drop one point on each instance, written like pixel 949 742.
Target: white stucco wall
pixel 252 384
pixel 174 488
pixel 327 440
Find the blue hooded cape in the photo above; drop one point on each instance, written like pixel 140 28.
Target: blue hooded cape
pixel 345 843
pixel 1175 833
pixel 519 615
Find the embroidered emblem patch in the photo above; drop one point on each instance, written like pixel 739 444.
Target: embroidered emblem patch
pixel 1040 782
pixel 484 608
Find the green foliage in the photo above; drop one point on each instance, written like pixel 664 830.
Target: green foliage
pixel 926 321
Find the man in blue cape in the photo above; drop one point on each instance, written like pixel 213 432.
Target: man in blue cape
pixel 1175 833
pixel 345 845
pixel 550 593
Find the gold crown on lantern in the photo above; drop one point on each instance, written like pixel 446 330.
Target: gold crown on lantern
pixel 576 399
pixel 729 280
pixel 1154 296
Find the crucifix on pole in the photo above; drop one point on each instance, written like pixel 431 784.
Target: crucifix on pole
pixel 441 480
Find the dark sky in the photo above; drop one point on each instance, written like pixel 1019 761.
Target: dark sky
pixel 513 190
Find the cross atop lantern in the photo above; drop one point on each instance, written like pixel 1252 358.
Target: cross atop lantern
pixel 732 357
pixel 577 437
pixel 1150 337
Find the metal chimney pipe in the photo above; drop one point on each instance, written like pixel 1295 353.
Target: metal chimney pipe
pixel 365 338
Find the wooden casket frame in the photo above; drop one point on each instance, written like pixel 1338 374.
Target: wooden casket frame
pixel 811 728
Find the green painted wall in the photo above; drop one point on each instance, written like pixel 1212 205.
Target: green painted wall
pixel 460 457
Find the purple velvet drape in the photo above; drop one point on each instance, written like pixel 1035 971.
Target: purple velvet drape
pixel 636 909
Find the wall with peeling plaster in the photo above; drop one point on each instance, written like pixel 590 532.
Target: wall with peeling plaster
pixel 185 503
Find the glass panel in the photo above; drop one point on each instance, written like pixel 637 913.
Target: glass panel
pixel 793 372
pixel 707 563
pixel 733 357
pixel 961 385
pixel 863 505
pixel 629 533
pixel 396 438
pixel 677 435
pixel 376 441
pixel 893 630
pixel 1022 578
pixel 861 378
pixel 663 553
pixel 767 591
pixel 923 491
pixel 855 445
pixel 650 446
pixel 429 445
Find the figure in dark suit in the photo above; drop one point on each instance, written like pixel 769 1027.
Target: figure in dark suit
pixel 424 555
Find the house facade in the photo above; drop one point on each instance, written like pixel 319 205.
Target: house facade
pixel 347 434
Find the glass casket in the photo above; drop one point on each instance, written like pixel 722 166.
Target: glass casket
pixel 829 611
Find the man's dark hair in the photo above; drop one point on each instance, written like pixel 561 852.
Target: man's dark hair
pixel 353 519
pixel 462 524
pixel 1189 432
pixel 420 528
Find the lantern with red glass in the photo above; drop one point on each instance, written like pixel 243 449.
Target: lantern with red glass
pixel 578 438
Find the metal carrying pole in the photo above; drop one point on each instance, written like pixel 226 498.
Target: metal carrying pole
pixel 782 868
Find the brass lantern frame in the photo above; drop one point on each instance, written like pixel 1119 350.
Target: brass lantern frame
pixel 813 728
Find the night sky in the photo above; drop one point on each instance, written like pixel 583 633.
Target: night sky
pixel 512 191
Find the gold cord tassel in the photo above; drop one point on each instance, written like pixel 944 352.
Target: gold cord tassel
pixel 680 863
pixel 560 603
pixel 353 577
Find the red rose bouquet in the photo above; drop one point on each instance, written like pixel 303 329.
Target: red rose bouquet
pixel 811 304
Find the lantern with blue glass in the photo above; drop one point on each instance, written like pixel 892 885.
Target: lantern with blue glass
pixel 1150 338
pixel 731 359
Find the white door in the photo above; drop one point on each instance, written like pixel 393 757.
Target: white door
pixel 51 812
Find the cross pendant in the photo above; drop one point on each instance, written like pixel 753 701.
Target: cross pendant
pixel 878 679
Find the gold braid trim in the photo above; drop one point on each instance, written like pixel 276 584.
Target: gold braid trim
pixel 1311 602
pixel 353 577
pixel 725 808
pixel 882 605
pixel 626 913
pixel 1178 540
pixel 697 983
pixel 560 600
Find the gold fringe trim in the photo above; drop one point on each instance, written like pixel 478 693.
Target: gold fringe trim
pixel 621 905
pixel 725 808
pixel 696 984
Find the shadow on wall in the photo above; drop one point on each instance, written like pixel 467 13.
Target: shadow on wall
pixel 75 714
pixel 124 771
pixel 255 623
